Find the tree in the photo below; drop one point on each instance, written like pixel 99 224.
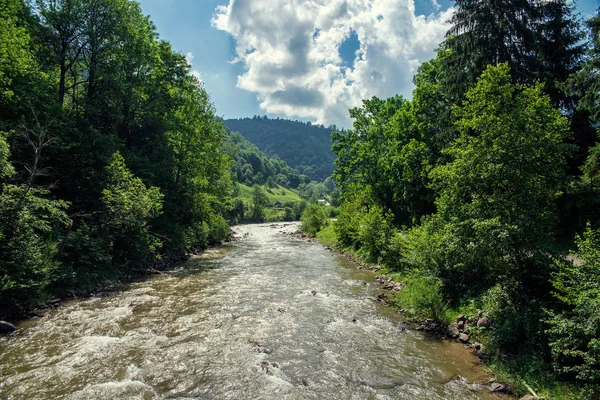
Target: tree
pixel 586 86
pixel 129 208
pixel 497 194
pixel 120 132
pixel 65 19
pixel 386 152
pixel 17 61
pixel 586 82
pixel 259 201
pixel 560 50
pixel 540 41
pixel 313 219
pixel 487 33
pixel 270 183
pixel 29 225
pixel 6 169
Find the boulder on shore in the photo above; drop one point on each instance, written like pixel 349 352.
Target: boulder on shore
pixel 499 388
pixel 6 327
pixel 483 322
pixel 452 331
pixel 463 337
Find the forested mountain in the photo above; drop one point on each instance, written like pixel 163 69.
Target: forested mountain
pixel 110 152
pixel 251 166
pixel 303 146
pixel 467 190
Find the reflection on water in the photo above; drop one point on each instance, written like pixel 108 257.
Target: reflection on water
pixel 269 317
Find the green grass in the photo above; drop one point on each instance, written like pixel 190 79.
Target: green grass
pixel 327 236
pixel 274 195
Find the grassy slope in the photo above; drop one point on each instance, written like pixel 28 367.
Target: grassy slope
pixel 274 196
pixel 326 236
pixel 272 214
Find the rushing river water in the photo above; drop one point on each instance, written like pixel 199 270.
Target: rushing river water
pixel 267 317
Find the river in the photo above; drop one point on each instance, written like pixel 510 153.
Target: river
pixel 266 317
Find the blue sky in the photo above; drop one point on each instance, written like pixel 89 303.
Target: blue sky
pixel 304 59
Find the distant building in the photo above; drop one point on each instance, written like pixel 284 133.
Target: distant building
pixel 324 202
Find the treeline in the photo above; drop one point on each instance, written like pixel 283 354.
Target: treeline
pixel 472 188
pixel 110 152
pixel 303 146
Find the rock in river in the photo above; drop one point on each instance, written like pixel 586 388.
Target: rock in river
pixel 6 327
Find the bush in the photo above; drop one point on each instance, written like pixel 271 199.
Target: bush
pixel 468 256
pixel 289 214
pixel 29 226
pixel 575 328
pixel 299 207
pixel 128 208
pixel 423 296
pixel 393 257
pixel 314 219
pixel 375 230
pixel 516 319
pixel 86 261
pixel 332 212
pixel 347 225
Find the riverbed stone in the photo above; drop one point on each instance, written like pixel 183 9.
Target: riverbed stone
pixel 528 397
pixel 460 325
pixel 483 322
pixel 6 327
pixel 498 388
pixel 461 317
pixel 463 337
pixel 452 330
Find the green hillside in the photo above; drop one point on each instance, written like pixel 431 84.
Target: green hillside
pixel 279 194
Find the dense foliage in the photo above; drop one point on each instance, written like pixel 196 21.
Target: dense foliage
pixel 303 146
pixel 468 189
pixel 110 152
pixel 575 327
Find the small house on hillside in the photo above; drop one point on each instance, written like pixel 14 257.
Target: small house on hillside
pixel 324 202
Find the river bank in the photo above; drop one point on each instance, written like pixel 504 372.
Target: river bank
pixel 464 324
pixel 108 287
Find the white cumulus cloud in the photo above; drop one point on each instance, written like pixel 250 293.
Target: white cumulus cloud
pixel 290 52
pixel 189 57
